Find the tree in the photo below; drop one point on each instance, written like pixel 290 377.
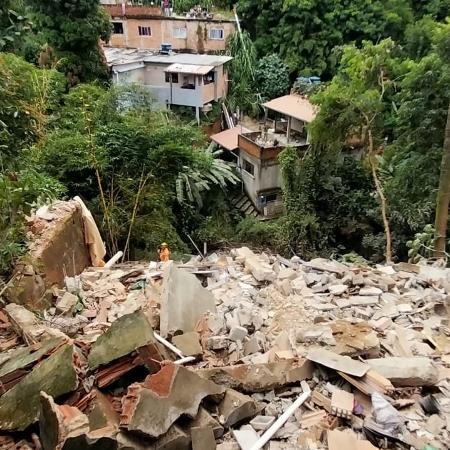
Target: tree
pixel 353 105
pixel 443 196
pixel 73 28
pixel 14 24
pixel 241 71
pixel 271 77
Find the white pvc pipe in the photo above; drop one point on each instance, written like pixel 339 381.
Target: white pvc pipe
pixel 113 260
pixel 184 360
pixel 169 345
pixel 265 438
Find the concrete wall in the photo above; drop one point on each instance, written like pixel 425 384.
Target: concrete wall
pixel 163 31
pixel 58 248
pixel 270 175
pixel 267 176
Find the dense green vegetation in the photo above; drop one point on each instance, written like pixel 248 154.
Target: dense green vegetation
pixel 367 183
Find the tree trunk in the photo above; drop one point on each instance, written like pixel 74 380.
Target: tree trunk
pixel 443 196
pixel 383 201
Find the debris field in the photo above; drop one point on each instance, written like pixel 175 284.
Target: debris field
pixel 239 350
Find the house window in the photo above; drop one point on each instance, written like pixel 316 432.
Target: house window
pixel 208 78
pixel 188 82
pixel 180 33
pixel 117 27
pixel 270 197
pixel 216 33
pixel 174 77
pixel 249 167
pixel 145 31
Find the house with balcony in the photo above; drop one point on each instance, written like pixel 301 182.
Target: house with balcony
pixel 145 25
pixel 183 79
pixel 257 152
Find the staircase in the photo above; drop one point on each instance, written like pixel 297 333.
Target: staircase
pixel 244 204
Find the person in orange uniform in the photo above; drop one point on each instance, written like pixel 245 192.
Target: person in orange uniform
pixel 164 252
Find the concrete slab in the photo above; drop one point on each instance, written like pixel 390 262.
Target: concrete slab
pixel 19 407
pixel 188 343
pixel 183 301
pixel 125 335
pixel 414 371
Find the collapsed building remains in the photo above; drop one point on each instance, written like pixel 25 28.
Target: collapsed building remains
pixel 239 350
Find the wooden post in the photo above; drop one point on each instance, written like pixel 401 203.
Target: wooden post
pixel 288 129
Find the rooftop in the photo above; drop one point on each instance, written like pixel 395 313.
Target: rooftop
pixel 228 139
pixel 116 56
pixel 293 106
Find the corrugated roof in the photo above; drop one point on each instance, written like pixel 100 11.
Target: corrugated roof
pixel 228 139
pixel 115 56
pixel 294 106
pixel 188 68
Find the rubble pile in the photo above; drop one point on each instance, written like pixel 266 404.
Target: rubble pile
pixel 235 351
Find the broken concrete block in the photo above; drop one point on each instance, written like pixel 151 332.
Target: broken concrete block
pixel 260 270
pixel 262 423
pixel 188 343
pixel 415 371
pixel 204 419
pixel 29 326
pixel 174 439
pixel 325 265
pixel 66 304
pixel 125 335
pixel 217 342
pixel 287 274
pixel 254 345
pixel 404 308
pixel 153 406
pixel 368 291
pixel 337 289
pixel 235 407
pixel 285 287
pixel 260 377
pixel 367 300
pixel 237 334
pixel 203 439
pixel 183 301
pixel 246 437
pixel 19 407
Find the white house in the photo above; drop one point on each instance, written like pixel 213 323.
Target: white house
pixel 184 79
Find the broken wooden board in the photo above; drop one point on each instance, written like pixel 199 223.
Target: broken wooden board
pixel 371 382
pixel 337 362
